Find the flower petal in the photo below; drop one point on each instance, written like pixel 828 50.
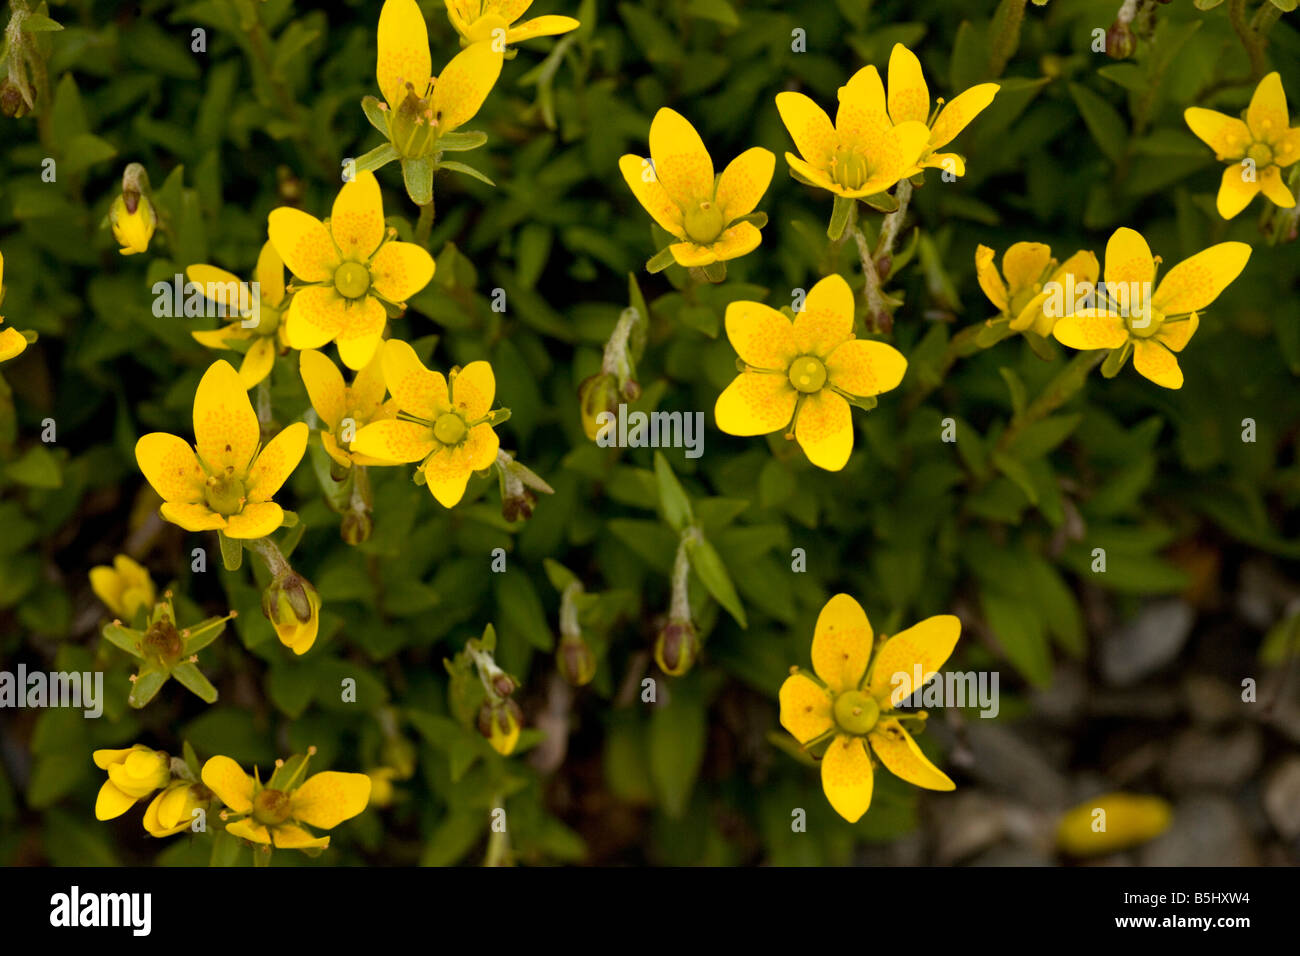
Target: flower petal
pixel 1228 136
pixel 1157 363
pixel 473 389
pixel 1129 266
pixel 1235 190
pixel 826 319
pixel 989 279
pixel 893 153
pixel 395 441
pixel 290 837
pixel 418 390
pixel 1091 329
pixel 192 517
pixel 362 332
pixel 447 472
pixel 862 104
pixel 847 777
pixel 690 254
pixel 399 270
pixel 1266 116
pixel 1176 335
pixel 112 802
pixel 755 403
pixel 481 446
pixel 325 386
pixel 1024 263
pixel 903 758
pixel 12 344
pixel 639 174
pixel 257 520
pixel 368 389
pixel 809 127
pixel 841 645
pixel 681 162
pixel 169 464
pixel 736 241
pixel 249 829
pixel 958 113
pixel 927 644
pixel 276 462
pixel 863 367
pixel 1195 282
pixel 258 361
pixel 547 26
pixel 304 244
pixel 327 799
pixel 805 708
pixel 1272 186
pixel 824 430
pixel 744 181
pixel 228 781
pixel 226 430
pixel 464 84
pixel 761 336
pixel 270 274
pixel 403 51
pixel 357 219
pixel 909 97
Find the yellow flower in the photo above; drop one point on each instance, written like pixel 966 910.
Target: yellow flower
pixel 850 702
pixel 125 588
pixel 421 108
pixel 479 20
pixel 173 810
pixel 12 342
pixel 351 269
pixel 909 101
pixel 805 371
pixel 447 426
pixel 273 813
pixel 267 337
pixel 1032 275
pixel 292 604
pixel 1126 820
pixel 1256 150
pixel 345 409
pixel 132 228
pixel 710 218
pixel 381 785
pixel 862 154
pixel 133 774
pixel 229 483
pixel 1129 318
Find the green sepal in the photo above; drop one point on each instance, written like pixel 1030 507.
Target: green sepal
pixel 124 638
pixel 459 142
pixel 466 170
pixel 191 759
pixel 261 857
pixel 192 679
pixel 232 552
pixel 865 402
pixel 756 219
pixel 993 333
pixel 146 687
pixel 377 115
pixel 417 174
pixel 1044 348
pixel 839 217
pixel 202 634
pixel 882 202
pixel 284 773
pixel 1115 360
pixel 661 260
pixel 715 271
pixel 377 158
pixel 290 519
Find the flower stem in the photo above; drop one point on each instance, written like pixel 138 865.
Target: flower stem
pixel 267 550
pixel 1058 391
pixel 425 225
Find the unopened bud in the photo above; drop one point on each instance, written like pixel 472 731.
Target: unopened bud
pixel 576 661
pixel 501 724
pixel 1120 41
pixel 292 605
pixel 676 647
pixel 356 527
pixel 597 394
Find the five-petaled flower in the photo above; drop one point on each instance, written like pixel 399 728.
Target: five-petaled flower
pixel 224 483
pixel 351 268
pixel 421 107
pixel 266 338
pixel 274 813
pixel 851 700
pixel 713 220
pixel 446 426
pixel 496 21
pixel 1036 285
pixel 909 101
pixel 1256 150
pixel 125 588
pixel 1128 318
pixel 133 773
pixel 807 370
pixel 345 409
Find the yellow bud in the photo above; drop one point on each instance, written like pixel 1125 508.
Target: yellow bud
pixel 292 605
pixel 133 221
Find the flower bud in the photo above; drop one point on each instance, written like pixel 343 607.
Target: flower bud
pixel 519 507
pixel 356 527
pixel 676 647
pixel 501 724
pixel 576 661
pixel 12 102
pixel 133 220
pixel 133 773
pixel 597 394
pixel 1120 41
pixel 173 810
pixel 292 605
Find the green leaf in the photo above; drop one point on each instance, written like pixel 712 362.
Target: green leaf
pixel 677 737
pixel 465 170
pixel 1104 122
pixel 710 570
pixel 673 501
pixel 37 23
pixel 37 468
pixel 1020 633
pixel 1015 470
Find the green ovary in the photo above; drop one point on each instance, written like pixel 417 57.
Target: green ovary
pixel 1147 325
pixel 352 280
pixel 1260 154
pixel 856 713
pixel 849 168
pixel 807 374
pixel 450 429
pixel 271 807
pixel 704 223
pixel 225 496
